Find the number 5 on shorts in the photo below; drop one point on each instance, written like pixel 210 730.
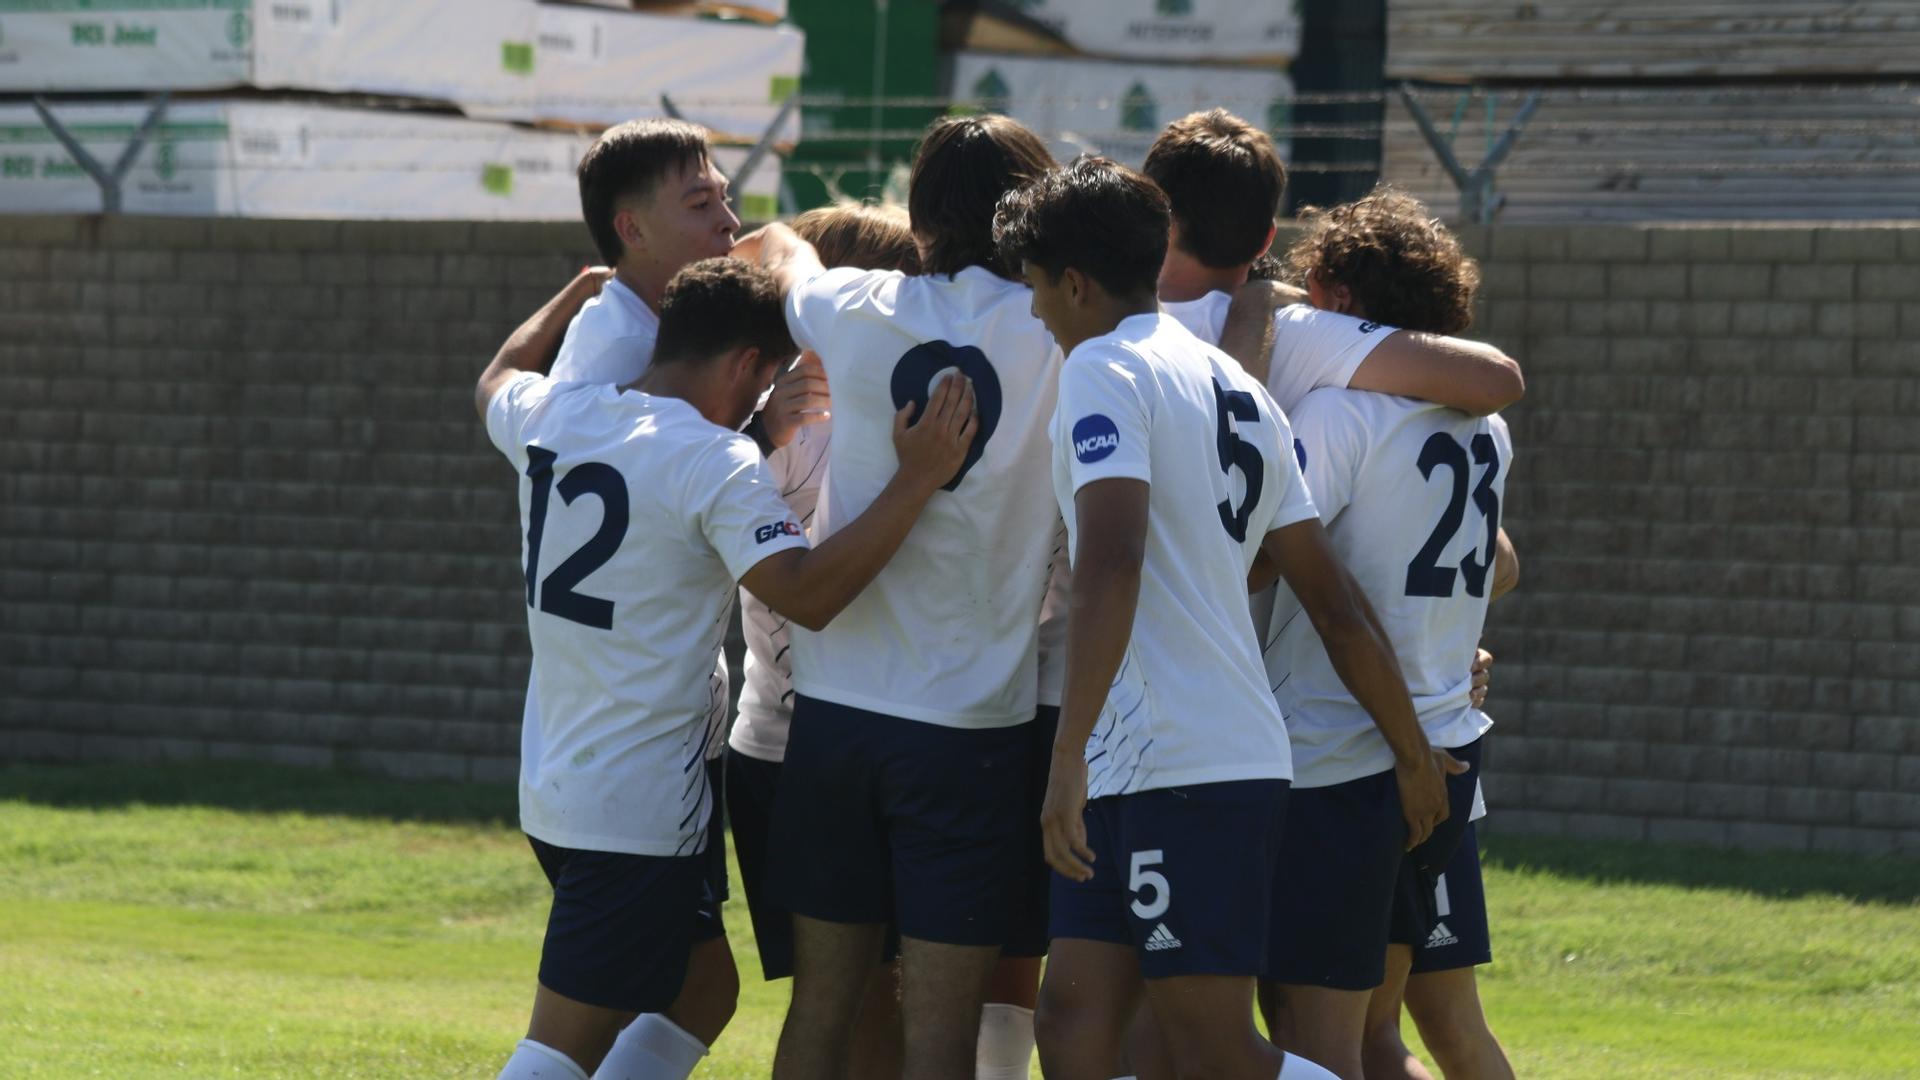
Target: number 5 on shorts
pixel 1139 877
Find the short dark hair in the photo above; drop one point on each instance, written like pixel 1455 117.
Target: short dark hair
pixel 1402 265
pixel 1224 180
pixel 1095 215
pixel 628 161
pixel 962 168
pixel 716 305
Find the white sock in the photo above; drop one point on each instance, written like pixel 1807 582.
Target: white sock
pixel 1005 1050
pixel 537 1061
pixel 652 1048
pixel 1299 1068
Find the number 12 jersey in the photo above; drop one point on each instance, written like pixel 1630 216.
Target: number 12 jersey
pixel 638 516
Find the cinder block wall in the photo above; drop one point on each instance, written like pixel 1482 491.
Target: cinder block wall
pixel 248 513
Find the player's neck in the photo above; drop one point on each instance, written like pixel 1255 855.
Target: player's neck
pixel 691 383
pixel 648 282
pixel 1183 277
pixel 1105 313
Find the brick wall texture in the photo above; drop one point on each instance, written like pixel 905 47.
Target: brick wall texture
pixel 246 512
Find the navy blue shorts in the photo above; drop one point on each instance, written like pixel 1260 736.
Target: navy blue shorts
pixel 621 926
pixel 751 782
pixel 1028 935
pixel 1459 938
pixel 880 819
pixel 1415 912
pixel 1185 875
pixel 1333 899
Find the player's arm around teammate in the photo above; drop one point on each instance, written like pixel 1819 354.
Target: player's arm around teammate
pixel 533 344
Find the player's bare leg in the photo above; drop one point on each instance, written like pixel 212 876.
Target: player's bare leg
pixel 878 1048
pixel 1319 1024
pixel 1446 1007
pixel 1005 1047
pixel 711 993
pixel 1090 994
pixel 1383 1052
pixel 1147 1056
pixel 1207 1021
pixel 941 990
pixel 832 964
pixel 581 1031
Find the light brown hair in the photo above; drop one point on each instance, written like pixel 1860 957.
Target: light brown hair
pixel 862 235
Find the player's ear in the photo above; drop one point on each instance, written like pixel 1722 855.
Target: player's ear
pixel 1272 231
pixel 1076 283
pixel 627 224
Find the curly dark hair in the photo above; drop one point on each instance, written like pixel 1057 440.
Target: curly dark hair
pixel 1402 265
pixel 719 304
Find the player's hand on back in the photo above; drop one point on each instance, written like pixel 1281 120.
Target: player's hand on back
pixel 1423 792
pixel 1482 675
pixel 932 446
pixel 799 398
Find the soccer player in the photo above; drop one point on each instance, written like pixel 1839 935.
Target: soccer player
pixel 642 508
pixel 903 795
pixel 654 203
pixel 876 238
pixel 1410 493
pixel 1168 782
pixel 1224 181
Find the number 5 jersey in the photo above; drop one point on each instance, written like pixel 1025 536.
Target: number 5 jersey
pixel 638 516
pixel 1152 402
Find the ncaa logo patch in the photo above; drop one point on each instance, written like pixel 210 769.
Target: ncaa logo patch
pixel 779 528
pixel 1094 438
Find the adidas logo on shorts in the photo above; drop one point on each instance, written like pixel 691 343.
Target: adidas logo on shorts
pixel 1440 936
pixel 1161 939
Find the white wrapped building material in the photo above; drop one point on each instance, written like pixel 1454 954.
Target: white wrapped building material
pixel 86 45
pixel 471 53
pixel 268 160
pixel 1240 31
pixel 603 67
pixel 1115 109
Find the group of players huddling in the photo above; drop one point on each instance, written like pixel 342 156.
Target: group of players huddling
pixel 1006 484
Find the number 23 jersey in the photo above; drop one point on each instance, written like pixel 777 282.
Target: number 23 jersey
pixel 1151 402
pixel 638 515
pixel 946 634
pixel 1410 493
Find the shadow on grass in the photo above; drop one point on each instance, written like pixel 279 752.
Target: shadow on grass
pixel 1773 874
pixel 258 788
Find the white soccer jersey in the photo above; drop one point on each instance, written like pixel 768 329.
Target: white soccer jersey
pixel 1150 401
pixel 638 516
pixel 946 633
pixel 766 696
pixel 1311 348
pixel 610 340
pixel 1411 493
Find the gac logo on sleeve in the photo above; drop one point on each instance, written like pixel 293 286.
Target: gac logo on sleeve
pixel 779 528
pixel 1094 438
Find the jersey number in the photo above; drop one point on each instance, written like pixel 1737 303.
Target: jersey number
pixel 1141 879
pixel 913 381
pixel 555 593
pixel 1236 452
pixel 1425 575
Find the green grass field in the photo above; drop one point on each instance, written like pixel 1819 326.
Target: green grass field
pixel 244 922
